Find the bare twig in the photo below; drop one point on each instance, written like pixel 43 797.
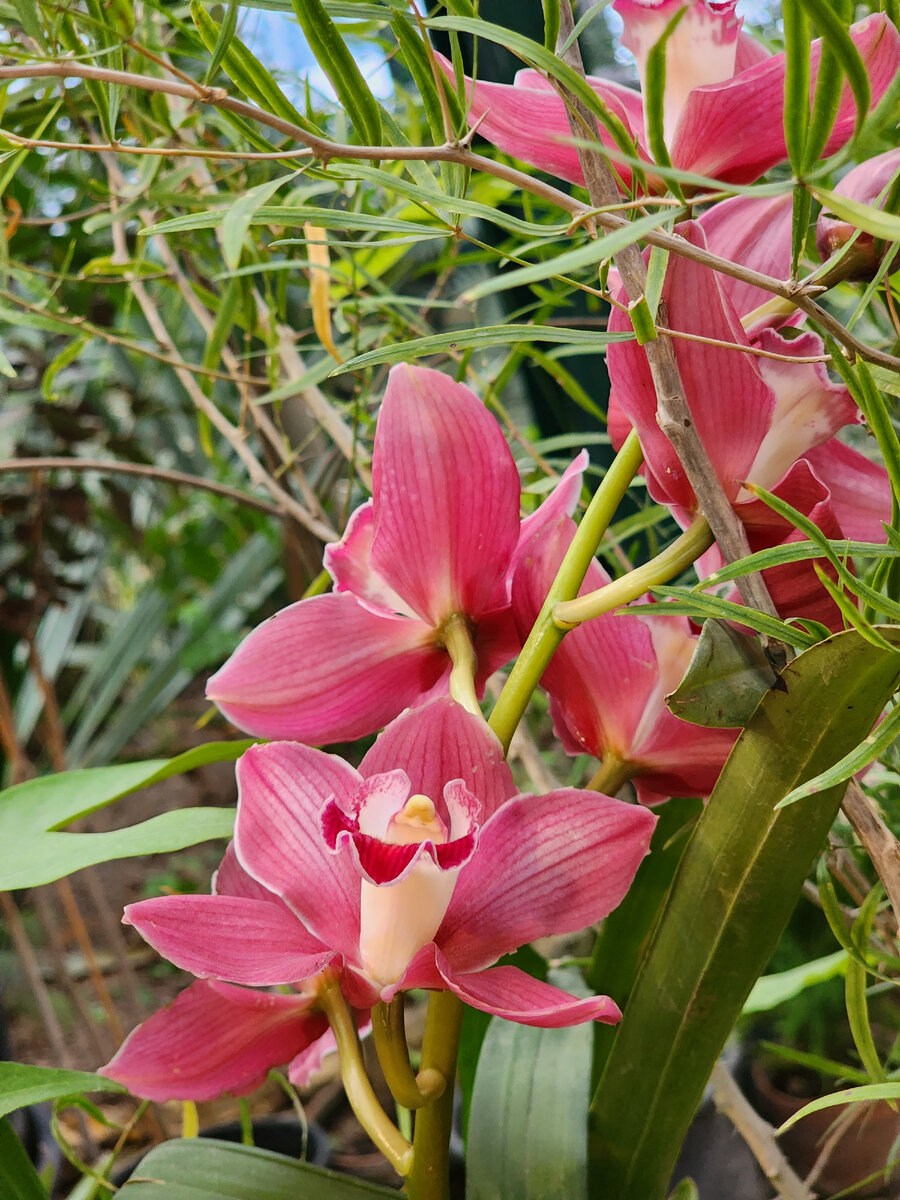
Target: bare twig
pixel 758 1134
pixel 142 470
pixel 877 840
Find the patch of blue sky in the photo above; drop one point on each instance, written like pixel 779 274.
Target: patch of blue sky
pixel 276 39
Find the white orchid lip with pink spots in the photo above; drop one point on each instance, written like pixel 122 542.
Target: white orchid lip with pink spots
pixel 419 870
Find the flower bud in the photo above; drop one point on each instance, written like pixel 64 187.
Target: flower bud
pixel 873 182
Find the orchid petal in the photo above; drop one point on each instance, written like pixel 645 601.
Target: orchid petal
pixel 754 231
pixel 700 50
pixel 348 562
pixel 213 1039
pixel 809 408
pixel 229 937
pixel 282 789
pixel 326 669
pixel 545 865
pixel 509 993
pixel 232 880
pixel 446 493
pixel 527 119
pixel 715 137
pixel 728 399
pixel 859 489
pixel 749 53
pixel 867 183
pixel 441 741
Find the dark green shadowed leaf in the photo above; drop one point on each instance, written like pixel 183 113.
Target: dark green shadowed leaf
pixel 735 887
pixel 726 678
pixel 204 1169
pixel 18 1178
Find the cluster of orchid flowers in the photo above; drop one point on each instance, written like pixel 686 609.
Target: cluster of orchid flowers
pixel 424 866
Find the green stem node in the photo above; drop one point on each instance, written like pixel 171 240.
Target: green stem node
pixel 389 1034
pixel 695 540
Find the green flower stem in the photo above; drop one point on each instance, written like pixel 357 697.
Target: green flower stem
pixel 545 635
pixel 612 775
pixel 458 644
pixel 389 1034
pixel 429 1178
pixel 695 540
pixel 395 1148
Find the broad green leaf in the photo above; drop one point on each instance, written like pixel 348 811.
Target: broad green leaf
pixel 623 939
pixel 204 1169
pixel 858 1095
pixel 771 990
pixel 21 1085
pixel 237 217
pixel 32 814
pixel 686 1190
pixel 735 887
pixel 726 678
pixel 527 1122
pixel 18 1178
pixel 480 339
pixel 880 224
pixel 593 251
pixel 340 66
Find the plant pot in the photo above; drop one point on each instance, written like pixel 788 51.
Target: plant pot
pixel 861 1151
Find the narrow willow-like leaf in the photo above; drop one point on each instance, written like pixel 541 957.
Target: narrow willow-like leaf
pixel 855 990
pixel 797 37
pixel 21 1085
pixel 655 94
pixel 873 747
pixel 734 889
pixel 795 552
pixel 244 68
pixel 237 217
pixel 204 1169
pixel 693 604
pixel 857 1095
pixel 479 339
pixel 536 1079
pixel 880 224
pixel 340 66
pixel 223 41
pixel 276 214
pixel 826 99
pixel 841 45
pixel 593 251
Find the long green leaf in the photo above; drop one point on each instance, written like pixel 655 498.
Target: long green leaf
pixel 33 813
pixel 204 1169
pixel 772 990
pixel 18 1178
pixel 527 1123
pixel 480 339
pixel 839 42
pixel 855 990
pixel 593 251
pixel 857 1095
pixel 237 217
pixel 797 36
pixel 340 66
pixel 21 1085
pixel 872 220
pixel 693 604
pixel 736 885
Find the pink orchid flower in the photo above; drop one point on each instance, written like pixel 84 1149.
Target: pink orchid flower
pixel 723 103
pixel 869 183
pixel 419 870
pixel 609 678
pixel 762 420
pixel 439 539
pixel 216 1037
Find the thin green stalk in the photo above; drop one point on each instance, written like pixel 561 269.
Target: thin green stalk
pixel 389 1035
pixel 695 540
pixel 385 1135
pixel 611 776
pixel 545 635
pixel 458 643
pixel 429 1178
